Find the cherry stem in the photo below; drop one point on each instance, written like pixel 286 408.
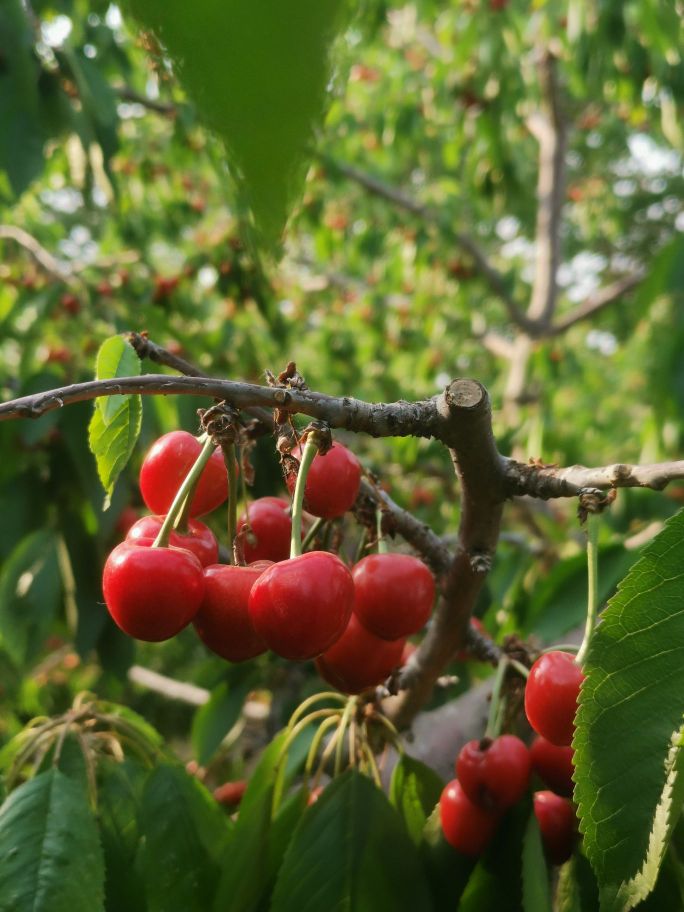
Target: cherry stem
pixel 333 695
pixel 308 454
pixel 361 546
pixel 187 489
pixel 317 740
pixel 522 670
pixel 229 459
pixel 495 707
pixel 181 523
pixel 291 735
pixel 561 647
pixel 382 541
pixel 592 597
pixel 347 715
pixel 312 533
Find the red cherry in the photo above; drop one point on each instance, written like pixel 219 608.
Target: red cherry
pixel 551 696
pixel 554 765
pixel 165 467
pixel 126 519
pixel 359 659
pixel 558 825
pixel 271 526
pixel 301 606
pixel 223 622
pixel 465 655
pixel 199 539
pixel 231 793
pixel 394 594
pixel 466 826
pixel 152 593
pixel 494 773
pixel 332 484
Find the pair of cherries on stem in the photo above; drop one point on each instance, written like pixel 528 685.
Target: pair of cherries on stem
pixel 153 583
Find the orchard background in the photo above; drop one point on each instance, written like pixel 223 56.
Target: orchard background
pixel 391 196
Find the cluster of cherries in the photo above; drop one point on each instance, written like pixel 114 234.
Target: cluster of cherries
pixel 493 774
pixel 354 622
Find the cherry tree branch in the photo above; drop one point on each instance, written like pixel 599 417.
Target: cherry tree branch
pixel 403 200
pixel 596 302
pixel 43 257
pixel 460 418
pixel 478 465
pixel 552 481
pixel 548 127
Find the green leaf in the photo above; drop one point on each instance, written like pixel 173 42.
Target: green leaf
pixel 22 135
pixel 258 73
pixel 536 893
pixel 115 358
pixel 577 890
pixel 30 593
pixel 627 742
pixel 50 848
pixel 414 791
pixel 243 880
pixel 185 834
pixel 350 851
pixel 118 802
pixel 116 421
pixel 496 882
pixel 448 871
pixel 214 720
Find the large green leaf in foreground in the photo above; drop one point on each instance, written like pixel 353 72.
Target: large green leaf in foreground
pixel 50 848
pixel 628 728
pixel 258 72
pixel 350 851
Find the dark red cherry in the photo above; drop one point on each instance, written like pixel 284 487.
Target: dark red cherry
pixel 394 594
pixel 222 621
pixel 152 593
pixel 359 659
pixel 494 773
pixel 165 467
pixel 301 606
pixel 551 695
pixel 332 484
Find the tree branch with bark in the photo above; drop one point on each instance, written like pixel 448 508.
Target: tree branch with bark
pixel 459 417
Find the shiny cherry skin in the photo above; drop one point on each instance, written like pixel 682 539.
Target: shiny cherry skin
pixel 222 622
pixel 332 484
pixel 393 594
pixel 199 539
pixel 551 696
pixel 466 826
pixel 359 659
pixel 301 606
pixel 165 467
pixel 558 825
pixel 271 527
pixel 152 593
pixel 553 765
pixel 494 774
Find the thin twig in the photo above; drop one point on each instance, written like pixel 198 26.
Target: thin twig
pixel 597 302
